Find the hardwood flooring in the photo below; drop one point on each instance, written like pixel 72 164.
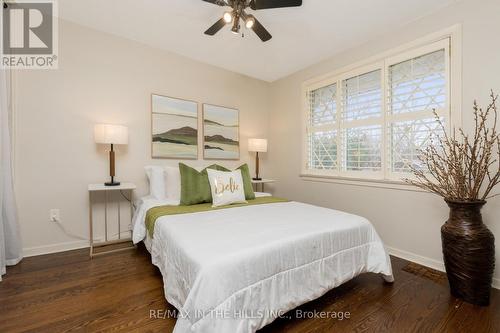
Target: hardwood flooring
pixel 117 292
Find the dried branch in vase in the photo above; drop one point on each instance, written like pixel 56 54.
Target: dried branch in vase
pixel 462 167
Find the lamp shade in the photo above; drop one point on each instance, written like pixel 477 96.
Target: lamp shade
pixel 111 134
pixel 257 145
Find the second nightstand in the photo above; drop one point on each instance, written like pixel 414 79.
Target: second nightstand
pixel 261 182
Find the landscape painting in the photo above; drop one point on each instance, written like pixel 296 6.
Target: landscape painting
pixel 174 128
pixel 220 133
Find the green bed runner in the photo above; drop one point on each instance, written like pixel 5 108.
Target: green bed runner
pixel 155 213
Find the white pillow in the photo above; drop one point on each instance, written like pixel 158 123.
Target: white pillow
pixel 173 183
pixel 156 181
pixel 226 187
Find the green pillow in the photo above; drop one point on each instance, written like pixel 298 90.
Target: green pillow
pixel 247 182
pixel 195 188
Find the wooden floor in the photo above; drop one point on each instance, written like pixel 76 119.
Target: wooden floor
pixel 69 292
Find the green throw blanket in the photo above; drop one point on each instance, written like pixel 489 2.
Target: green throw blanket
pixel 155 213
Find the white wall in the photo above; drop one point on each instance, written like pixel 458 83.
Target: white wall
pixel 408 221
pixel 104 78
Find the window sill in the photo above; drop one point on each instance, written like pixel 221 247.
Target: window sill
pixel 365 182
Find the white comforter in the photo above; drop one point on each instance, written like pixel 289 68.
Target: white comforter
pixel 234 270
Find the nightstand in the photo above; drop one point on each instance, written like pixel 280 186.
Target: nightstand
pixel 99 188
pixel 261 182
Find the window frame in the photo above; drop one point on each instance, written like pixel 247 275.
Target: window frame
pixel 449 40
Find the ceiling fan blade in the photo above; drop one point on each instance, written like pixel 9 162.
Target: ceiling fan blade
pixel 259 29
pixel 267 4
pixel 216 27
pixel 217 2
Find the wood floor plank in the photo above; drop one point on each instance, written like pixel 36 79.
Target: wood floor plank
pixel 68 292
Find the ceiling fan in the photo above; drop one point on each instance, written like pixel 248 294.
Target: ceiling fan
pixel 238 13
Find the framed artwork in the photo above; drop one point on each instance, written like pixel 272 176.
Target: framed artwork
pixel 174 128
pixel 221 133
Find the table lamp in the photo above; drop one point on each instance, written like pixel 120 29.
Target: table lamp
pixel 111 135
pixel 257 146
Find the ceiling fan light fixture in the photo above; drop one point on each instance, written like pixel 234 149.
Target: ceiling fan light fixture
pixel 249 22
pixel 238 12
pixel 228 17
pixel 236 26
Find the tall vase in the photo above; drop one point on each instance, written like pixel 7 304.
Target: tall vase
pixel 469 252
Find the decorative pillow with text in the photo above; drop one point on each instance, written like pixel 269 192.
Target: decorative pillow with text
pixel 226 187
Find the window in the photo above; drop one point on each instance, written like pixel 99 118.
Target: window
pixel 371 122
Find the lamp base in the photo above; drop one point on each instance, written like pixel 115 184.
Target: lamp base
pixel 112 171
pixel 257 178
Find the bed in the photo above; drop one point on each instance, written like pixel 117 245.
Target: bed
pixel 238 269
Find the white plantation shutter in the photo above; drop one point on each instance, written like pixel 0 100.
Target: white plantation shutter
pixel 407 137
pixel 361 117
pixel 417 86
pixel 323 150
pixel 362 148
pixel 323 105
pixel 371 123
pixel 362 96
pixel 322 130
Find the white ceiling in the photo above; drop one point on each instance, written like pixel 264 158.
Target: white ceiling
pixel 302 36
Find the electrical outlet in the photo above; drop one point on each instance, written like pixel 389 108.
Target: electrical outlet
pixel 55 215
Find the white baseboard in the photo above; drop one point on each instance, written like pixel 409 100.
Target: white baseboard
pixel 424 261
pixel 53 248
pixel 61 247
pixel 428 262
